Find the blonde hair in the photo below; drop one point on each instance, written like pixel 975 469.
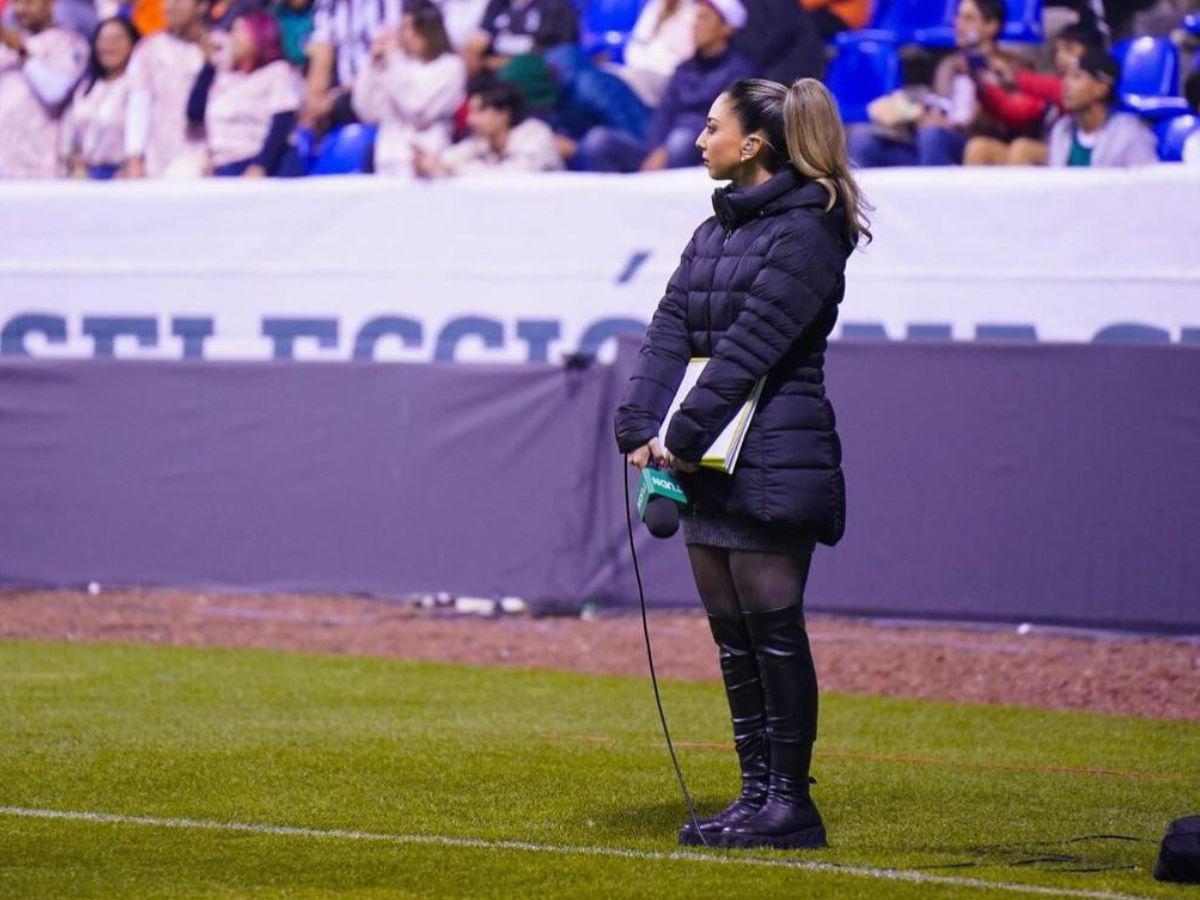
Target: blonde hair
pixel 816 146
pixel 802 128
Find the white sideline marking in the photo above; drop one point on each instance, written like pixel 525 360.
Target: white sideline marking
pixel 567 849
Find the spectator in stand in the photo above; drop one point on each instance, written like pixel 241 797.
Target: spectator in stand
pixel 463 19
pixel 932 129
pixel 78 16
pixel 781 41
pixel 501 139
pixel 295 20
pixel 565 89
pixel 162 70
pixel 1093 133
pixel 39 65
pixel 247 102
pixel 832 16
pixel 93 134
pixel 412 89
pixel 1025 102
pixel 683 112
pixel 515 27
pixel 344 31
pixel 663 38
pixel 1058 13
pixel 540 82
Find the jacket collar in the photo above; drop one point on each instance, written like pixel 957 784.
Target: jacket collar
pixel 786 189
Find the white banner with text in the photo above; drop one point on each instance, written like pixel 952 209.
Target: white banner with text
pixel 532 268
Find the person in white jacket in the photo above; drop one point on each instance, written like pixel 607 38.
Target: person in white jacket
pixel 161 72
pixel 39 65
pixel 662 39
pixel 412 89
pixel 93 128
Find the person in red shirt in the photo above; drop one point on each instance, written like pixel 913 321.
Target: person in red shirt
pixel 1024 102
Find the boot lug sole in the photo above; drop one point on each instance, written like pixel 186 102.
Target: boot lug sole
pixel 805 839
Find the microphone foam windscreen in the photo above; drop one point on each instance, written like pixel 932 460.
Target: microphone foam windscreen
pixel 662 517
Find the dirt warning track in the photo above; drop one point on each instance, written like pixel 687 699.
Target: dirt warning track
pixel 1108 674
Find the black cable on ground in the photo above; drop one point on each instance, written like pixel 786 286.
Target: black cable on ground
pixel 662 716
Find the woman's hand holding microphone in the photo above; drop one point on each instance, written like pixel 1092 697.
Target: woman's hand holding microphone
pixel 651 451
pixel 654 451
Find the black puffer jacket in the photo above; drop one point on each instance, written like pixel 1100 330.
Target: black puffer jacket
pixel 758 290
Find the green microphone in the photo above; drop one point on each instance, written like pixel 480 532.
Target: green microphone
pixel 658 500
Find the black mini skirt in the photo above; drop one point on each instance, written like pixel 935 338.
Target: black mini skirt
pixel 740 533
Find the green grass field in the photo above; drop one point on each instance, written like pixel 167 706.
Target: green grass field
pixel 406 754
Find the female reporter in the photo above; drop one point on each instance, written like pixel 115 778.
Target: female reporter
pixel 757 290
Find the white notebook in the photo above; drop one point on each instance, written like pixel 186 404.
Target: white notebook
pixel 724 452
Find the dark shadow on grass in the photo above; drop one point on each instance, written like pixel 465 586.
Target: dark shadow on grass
pixel 659 820
pixel 1092 854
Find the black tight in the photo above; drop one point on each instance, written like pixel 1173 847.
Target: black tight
pixel 763 593
pixel 732 582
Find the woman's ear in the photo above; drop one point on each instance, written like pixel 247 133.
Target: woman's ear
pixel 751 144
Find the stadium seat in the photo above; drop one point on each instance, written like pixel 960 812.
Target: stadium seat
pixel 1150 77
pixel 607 25
pixel 1191 23
pixel 305 146
pixel 344 151
pixel 1023 26
pixel 860 72
pixel 930 23
pixel 900 20
pixel 1024 23
pixel 889 16
pixel 1172 134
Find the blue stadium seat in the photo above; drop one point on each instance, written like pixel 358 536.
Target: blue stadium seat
pixel 344 151
pixel 862 71
pixel 305 146
pixel 900 20
pixel 930 23
pixel 889 16
pixel 1150 77
pixel 1172 133
pixel 607 25
pixel 1024 23
pixel 1022 26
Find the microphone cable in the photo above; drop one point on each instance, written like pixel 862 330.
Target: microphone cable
pixel 662 716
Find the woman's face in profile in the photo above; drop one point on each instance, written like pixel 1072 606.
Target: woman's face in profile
pixel 720 143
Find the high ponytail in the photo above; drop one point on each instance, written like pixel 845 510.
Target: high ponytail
pixel 801 127
pixel 816 146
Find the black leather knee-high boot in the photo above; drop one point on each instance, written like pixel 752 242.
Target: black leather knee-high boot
pixel 788 818
pixel 743 688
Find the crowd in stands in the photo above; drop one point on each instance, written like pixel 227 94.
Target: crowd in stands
pixel 987 106
pixel 251 88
